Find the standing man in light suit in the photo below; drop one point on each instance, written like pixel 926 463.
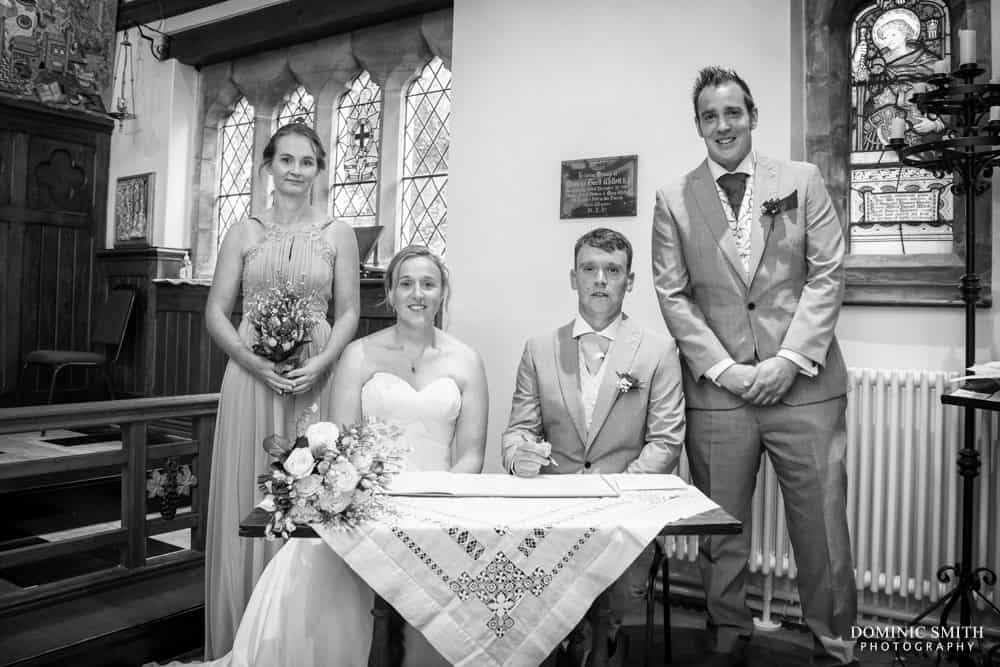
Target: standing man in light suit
pixel 571 412
pixel 748 268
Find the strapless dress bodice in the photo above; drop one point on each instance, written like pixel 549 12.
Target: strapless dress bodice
pixel 426 415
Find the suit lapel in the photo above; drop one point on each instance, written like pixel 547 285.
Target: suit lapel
pixel 620 358
pixel 568 368
pixel 707 198
pixel 765 187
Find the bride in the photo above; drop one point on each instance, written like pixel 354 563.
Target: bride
pixel 309 608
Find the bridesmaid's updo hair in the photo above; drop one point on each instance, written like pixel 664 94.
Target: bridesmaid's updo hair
pixel 409 252
pixel 302 130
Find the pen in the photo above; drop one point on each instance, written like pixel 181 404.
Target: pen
pixel 552 461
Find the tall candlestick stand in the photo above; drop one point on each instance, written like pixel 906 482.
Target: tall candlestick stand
pixel 970 153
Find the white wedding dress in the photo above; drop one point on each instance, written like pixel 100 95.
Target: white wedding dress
pixel 308 607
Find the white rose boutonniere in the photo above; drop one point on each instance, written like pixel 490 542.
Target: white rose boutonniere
pixel 627 382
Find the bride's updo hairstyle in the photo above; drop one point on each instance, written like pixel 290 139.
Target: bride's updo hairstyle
pixel 410 252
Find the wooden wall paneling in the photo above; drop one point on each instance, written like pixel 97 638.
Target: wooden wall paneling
pixel 194 324
pixel 138 268
pixel 53 183
pixel 6 162
pixel 30 289
pixel 9 310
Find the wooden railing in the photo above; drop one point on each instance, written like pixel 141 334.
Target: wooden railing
pixel 133 417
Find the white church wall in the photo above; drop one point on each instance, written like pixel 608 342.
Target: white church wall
pixel 537 83
pixel 159 140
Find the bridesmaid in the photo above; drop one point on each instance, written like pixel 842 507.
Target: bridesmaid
pixel 290 241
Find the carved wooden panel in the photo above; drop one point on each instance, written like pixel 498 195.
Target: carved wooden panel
pixel 61 175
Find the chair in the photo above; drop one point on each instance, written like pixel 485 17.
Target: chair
pixel 110 323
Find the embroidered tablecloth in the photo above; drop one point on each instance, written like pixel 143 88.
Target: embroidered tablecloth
pixel 501 581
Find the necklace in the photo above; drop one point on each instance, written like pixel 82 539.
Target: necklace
pixel 414 360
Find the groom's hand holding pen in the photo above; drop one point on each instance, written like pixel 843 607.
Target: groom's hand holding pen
pixel 532 454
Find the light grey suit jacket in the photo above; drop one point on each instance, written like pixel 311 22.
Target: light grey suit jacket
pixel 792 299
pixel 641 430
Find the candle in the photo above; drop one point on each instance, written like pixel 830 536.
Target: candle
pixel 995 114
pixel 942 67
pixel 898 129
pixel 967 46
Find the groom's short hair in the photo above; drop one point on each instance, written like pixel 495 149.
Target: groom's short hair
pixel 607 240
pixel 716 76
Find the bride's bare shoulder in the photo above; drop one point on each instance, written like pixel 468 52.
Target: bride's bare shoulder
pixel 458 350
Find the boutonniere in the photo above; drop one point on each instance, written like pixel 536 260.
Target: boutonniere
pixel 774 206
pixel 627 382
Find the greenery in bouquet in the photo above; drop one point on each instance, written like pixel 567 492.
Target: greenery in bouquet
pixel 282 320
pixel 331 475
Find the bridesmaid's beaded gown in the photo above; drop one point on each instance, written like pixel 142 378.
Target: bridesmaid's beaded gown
pixel 249 411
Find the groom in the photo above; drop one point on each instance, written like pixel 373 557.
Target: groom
pixel 599 394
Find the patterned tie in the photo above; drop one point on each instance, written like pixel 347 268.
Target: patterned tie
pixel 593 347
pixel 735 186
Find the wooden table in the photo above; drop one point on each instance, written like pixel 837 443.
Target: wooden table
pixel 713 522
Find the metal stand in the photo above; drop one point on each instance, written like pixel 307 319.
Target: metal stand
pixel 971 157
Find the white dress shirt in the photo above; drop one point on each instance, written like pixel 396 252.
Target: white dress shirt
pixel 590 384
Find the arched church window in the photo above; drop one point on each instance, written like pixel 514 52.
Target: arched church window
pixel 894 209
pixel 297 106
pixel 353 195
pixel 235 168
pixel 426 140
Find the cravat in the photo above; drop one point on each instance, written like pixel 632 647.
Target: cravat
pixel 735 186
pixel 593 347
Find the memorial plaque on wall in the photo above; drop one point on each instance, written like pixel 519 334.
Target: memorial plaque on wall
pixel 598 187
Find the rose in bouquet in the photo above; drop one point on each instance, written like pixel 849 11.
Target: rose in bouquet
pixel 330 475
pixel 282 320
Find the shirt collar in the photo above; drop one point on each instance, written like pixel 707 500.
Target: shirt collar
pixel 746 166
pixel 581 327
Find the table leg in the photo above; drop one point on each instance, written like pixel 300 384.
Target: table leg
pixel 667 648
pixel 600 623
pixel 379 654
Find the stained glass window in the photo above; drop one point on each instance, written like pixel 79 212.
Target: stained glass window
pixel 894 209
pixel 235 168
pixel 425 159
pixel 353 195
pixel 297 106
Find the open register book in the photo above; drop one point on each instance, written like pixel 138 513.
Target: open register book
pixel 509 486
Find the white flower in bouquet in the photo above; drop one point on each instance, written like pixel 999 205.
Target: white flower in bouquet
pixel 332 501
pixel 322 436
pixel 299 463
pixel 267 504
pixel 342 476
pixel 362 460
pixel 308 486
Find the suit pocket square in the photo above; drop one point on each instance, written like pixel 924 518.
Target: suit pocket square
pixel 774 205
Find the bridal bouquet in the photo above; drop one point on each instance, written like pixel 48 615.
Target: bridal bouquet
pixel 330 475
pixel 281 321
